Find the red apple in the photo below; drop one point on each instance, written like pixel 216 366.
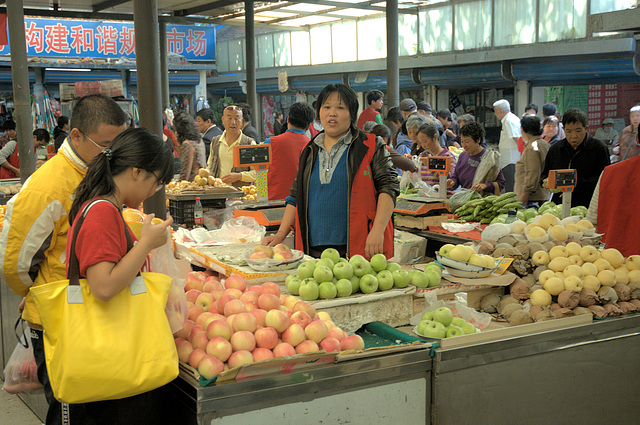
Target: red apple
pixel 243 340
pixel 210 367
pixel 277 320
pixel 249 297
pixel 337 333
pixel 330 344
pixel 306 307
pixel 184 348
pixel 234 307
pixel 260 316
pixel 352 342
pixel 195 356
pixel 283 349
pixel 290 301
pixel 195 310
pixel 192 295
pixel 271 288
pixel 307 346
pixel 235 281
pixel 219 348
pixel 236 293
pixel 316 331
pixel 186 328
pixel 200 340
pixel 294 335
pixel 229 320
pixel 202 317
pixel 266 337
pixel 302 318
pixel 213 308
pixel 211 285
pixel 268 302
pixel 222 302
pixel 195 280
pixel 284 255
pixel 257 289
pixel 244 322
pixel 217 293
pixel 258 255
pixel 281 248
pixel 219 328
pixel 260 354
pixel 240 358
pixel 194 330
pixel 251 306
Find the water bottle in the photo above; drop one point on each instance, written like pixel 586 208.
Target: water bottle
pixel 198 215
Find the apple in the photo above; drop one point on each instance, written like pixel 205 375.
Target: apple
pixel 219 328
pixel 607 278
pixel 212 282
pixel 420 329
pixel 301 318
pixel 235 293
pixel 293 284
pixel 540 258
pixel 209 367
pixel 343 270
pixel 327 290
pixel 323 315
pixel 200 340
pixel 277 320
pixel 194 311
pixel 443 315
pixel 332 254
pixel 204 300
pixel 360 265
pixel 633 262
pixel 186 328
pixel 235 281
pixel 309 290
pixel 433 277
pixel 271 288
pixel 192 295
pixel 355 284
pixel 195 357
pixel 385 279
pixel 266 337
pixel 305 270
pixel 453 330
pixel 316 331
pixel 337 333
pixel 294 335
pixel 259 255
pixel 285 255
pixel 589 253
pixel 260 354
pixel 392 267
pixel 194 330
pixel 435 266
pixel 401 278
pixel 290 301
pixel 445 250
pixel 330 344
pixel 306 307
pixel 378 262
pixel 540 297
pixel 234 307
pixel 460 253
pixel 195 280
pixel 243 340
pixel 434 329
pixel 220 348
pixel 202 318
pixel 591 282
pixel 458 321
pixel 240 358
pixel 427 315
pixel 322 273
pixel 477 260
pixel 217 293
pixel 418 279
pixel 468 328
pixel 554 285
pixel 573 283
pixel 264 248
pixel 281 248
pixel 603 264
pixel 244 322
pixel 558 251
pixel 352 342
pixel 268 302
pixel 283 349
pixel 368 284
pixel 307 346
pixel 184 348
pixel 343 287
pixel 260 315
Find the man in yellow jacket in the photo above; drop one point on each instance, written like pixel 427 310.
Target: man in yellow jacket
pixel 36 221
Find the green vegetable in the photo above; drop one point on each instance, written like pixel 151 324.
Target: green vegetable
pixel 505 196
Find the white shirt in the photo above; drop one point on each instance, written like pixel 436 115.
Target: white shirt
pixel 508 147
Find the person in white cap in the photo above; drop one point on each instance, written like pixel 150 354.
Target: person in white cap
pixel 607 133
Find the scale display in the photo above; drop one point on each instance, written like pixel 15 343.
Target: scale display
pixel 439 164
pixel 257 156
pixel 564 180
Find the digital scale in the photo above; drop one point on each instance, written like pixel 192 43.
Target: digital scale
pixel 440 165
pixel 268 214
pixel 421 206
pixel 565 180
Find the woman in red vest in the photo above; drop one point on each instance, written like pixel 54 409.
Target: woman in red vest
pixel 345 188
pixel 10 159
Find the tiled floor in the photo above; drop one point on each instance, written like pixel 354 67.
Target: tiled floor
pixel 14 412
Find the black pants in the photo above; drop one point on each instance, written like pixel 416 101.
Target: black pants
pixel 146 408
pixel 509 173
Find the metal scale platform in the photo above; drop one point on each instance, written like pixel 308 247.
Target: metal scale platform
pixel 267 213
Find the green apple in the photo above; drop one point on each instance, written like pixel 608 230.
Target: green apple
pixel 343 260
pixel 401 278
pixel 458 321
pixel 418 279
pixel 446 249
pixel 343 270
pixel 327 290
pixel 322 274
pixel 305 270
pixel 378 262
pixel 344 288
pixel 468 328
pixel 453 330
pixel 443 315
pixel 360 265
pixel 433 277
pixel 385 280
pixel 326 262
pixel 368 284
pixel 421 326
pixel 355 284
pixel 435 266
pixel 427 315
pixel 293 284
pixel 309 290
pixel 392 267
pixel 434 329
pixel 332 254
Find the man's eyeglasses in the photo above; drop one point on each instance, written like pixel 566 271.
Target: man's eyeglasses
pixel 102 148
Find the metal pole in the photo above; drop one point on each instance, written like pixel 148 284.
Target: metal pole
pixel 21 92
pixel 393 71
pixel 145 20
pixel 164 66
pixel 250 62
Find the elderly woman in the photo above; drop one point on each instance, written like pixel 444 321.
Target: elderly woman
pixel 531 163
pixel 412 124
pixel 401 162
pixel 607 133
pixel 344 192
pixel 628 147
pixel 191 147
pixel 551 130
pixel 428 138
pixel 464 175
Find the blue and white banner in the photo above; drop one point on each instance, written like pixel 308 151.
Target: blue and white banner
pixel 100 39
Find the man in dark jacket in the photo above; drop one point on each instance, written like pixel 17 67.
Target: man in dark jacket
pixel 579 151
pixel 205 121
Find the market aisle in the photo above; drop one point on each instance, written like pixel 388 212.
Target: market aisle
pixel 13 411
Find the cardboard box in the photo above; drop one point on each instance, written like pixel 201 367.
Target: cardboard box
pixel 111 88
pixel 422 223
pixel 408 248
pixel 68 91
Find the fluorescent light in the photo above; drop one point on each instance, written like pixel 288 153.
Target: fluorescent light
pixel 68 69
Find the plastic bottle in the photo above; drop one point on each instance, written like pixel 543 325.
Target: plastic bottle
pixel 198 214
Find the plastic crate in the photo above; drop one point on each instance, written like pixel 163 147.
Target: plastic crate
pixel 182 210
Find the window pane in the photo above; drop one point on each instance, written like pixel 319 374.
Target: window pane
pixel 601 6
pixel 407 35
pixel 435 30
pixel 236 54
pixel 222 56
pixel 300 50
pixel 265 51
pixel 282 43
pixel 562 19
pixel 320 44
pixel 344 42
pixel 473 25
pixel 372 39
pixel 521 16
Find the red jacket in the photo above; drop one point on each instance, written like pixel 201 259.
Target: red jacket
pixel 365 116
pixel 618 203
pixel 285 151
pixel 13 160
pixel 371 172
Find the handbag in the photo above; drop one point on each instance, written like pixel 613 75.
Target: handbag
pixel 103 351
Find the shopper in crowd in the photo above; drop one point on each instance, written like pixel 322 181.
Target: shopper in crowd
pixel 508 141
pixel 368 126
pixel 521 140
pixel 606 133
pixel 429 140
pixel 408 107
pixel 628 146
pixel 191 148
pixel 401 162
pixel 169 137
pixel 344 193
pixel 448 137
pixel 531 163
pixel 550 130
pixel 247 128
pixel 400 142
pixel 615 198
pixel 220 161
pixel 278 127
pixel 462 120
pixel 285 150
pixel 394 119
pixel 9 128
pixel 375 100
pixel 579 151
pixel 316 126
pixel 134 166
pixel 412 124
pixel 36 223
pixel 424 109
pixel 464 174
pixel 205 121
pixel 41 137
pixel 551 110
pixel 531 109
pixel 10 157
pixel 61 131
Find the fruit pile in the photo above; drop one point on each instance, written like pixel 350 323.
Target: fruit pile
pixel 467 254
pixel 486 209
pixel 332 276
pixel 250 193
pixel 441 323
pixel 200 182
pixel 278 252
pixel 229 325
pixel 11 189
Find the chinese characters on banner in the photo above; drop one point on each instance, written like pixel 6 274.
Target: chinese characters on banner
pixel 603 103
pixel 55 38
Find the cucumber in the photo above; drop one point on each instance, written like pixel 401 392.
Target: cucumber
pixel 505 196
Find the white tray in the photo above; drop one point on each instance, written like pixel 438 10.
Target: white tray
pixel 269 264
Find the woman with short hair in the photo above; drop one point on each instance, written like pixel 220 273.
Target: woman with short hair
pixel 531 163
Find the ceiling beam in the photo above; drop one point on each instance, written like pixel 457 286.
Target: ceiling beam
pixel 363 6
pixel 259 9
pixel 207 7
pixel 107 4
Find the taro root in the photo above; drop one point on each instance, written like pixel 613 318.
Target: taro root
pixel 535 247
pixel 489 303
pixel 509 240
pixel 563 312
pixel 597 310
pixel 588 297
pixel 506 300
pixel 520 317
pixel 498 252
pixel 568 298
pixel 503 246
pixel 612 310
pixel 555 306
pixel 626 307
pixel 582 310
pixel 548 245
pixel 509 309
pixel 608 295
pixel 538 270
pixel 524 251
pixel 636 303
pixel 519 289
pixel 545 314
pixel 623 291
pixel 535 288
pixel 634 285
pixel 535 309
pixel 485 248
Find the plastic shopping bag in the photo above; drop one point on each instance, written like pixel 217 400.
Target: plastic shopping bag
pixel 20 374
pixel 458 307
pixel 240 230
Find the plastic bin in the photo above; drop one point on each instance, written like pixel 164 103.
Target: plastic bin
pixel 182 210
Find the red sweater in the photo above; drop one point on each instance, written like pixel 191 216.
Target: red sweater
pixel 366 116
pixel 285 151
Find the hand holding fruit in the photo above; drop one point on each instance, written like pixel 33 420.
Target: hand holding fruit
pixel 154 231
pixel 374 244
pixel 273 240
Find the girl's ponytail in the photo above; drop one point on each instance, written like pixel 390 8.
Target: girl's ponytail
pixel 97 182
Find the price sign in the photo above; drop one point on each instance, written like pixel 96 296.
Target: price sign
pixel 256 156
pixel 564 180
pixel 439 164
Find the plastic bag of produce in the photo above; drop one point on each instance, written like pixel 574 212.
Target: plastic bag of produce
pixel 240 230
pixel 489 167
pixel 495 231
pixel 20 374
pixel 461 197
pixel 458 307
pixel 164 261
